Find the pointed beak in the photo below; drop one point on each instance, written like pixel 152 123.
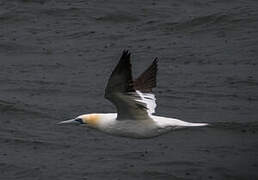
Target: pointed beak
pixel 70 121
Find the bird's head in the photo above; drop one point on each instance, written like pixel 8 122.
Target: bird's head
pixel 87 119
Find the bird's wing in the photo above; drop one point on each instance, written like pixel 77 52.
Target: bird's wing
pixel 147 80
pixel 131 103
pixel 144 85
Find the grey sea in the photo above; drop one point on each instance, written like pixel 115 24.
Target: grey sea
pixel 56 57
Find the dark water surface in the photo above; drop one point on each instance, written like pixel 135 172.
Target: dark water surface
pixel 55 59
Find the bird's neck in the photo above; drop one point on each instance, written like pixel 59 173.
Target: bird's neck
pixel 98 120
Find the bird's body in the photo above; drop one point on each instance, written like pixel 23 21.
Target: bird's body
pixel 146 128
pixel 135 104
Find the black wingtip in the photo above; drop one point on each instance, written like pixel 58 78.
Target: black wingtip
pixel 156 60
pixel 125 56
pixel 126 53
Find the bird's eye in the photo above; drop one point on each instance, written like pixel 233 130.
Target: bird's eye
pixel 79 120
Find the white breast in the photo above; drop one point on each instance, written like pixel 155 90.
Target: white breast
pixel 140 128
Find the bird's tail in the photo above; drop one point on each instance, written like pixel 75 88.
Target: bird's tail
pixel 200 124
pixel 187 124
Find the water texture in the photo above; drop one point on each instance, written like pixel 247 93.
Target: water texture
pixel 55 59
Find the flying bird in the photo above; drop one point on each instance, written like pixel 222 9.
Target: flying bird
pixel 135 104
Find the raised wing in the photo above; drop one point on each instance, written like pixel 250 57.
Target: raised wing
pixel 126 95
pixel 147 80
pixel 145 83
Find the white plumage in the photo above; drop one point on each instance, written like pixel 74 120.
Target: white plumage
pixel 149 99
pixel 135 105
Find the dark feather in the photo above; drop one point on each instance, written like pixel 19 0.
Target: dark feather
pixel 147 80
pixel 121 90
pixel 121 78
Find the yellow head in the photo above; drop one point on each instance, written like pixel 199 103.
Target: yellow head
pixel 91 120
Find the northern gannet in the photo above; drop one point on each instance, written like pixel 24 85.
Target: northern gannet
pixel 135 104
